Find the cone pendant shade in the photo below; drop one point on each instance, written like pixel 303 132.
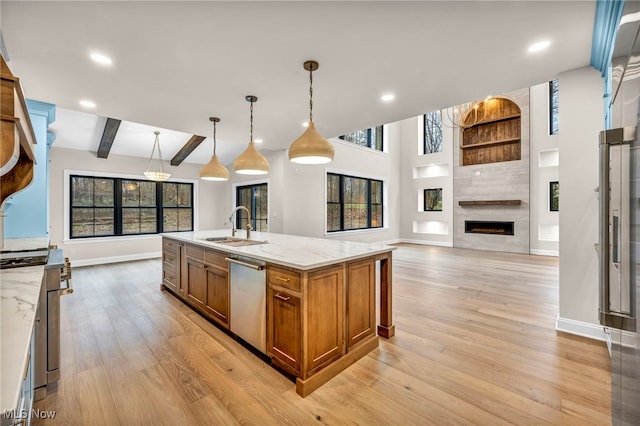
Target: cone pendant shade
pixel 311 148
pixel 251 162
pixel 213 170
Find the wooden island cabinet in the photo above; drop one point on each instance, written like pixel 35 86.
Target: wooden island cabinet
pixel 319 320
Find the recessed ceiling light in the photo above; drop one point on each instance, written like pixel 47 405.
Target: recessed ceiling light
pixel 305 124
pixel 87 104
pixel 101 59
pixel 388 97
pixel 541 45
pixel 257 140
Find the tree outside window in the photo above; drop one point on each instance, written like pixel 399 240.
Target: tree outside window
pixel 433 199
pixel 432 132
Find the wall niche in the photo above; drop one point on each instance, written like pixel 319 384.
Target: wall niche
pixel 491 132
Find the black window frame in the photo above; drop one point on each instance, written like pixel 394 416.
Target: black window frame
pixel 554 107
pixel 253 208
pixel 342 203
pixel 374 143
pixel 425 200
pixel 425 133
pixel 118 207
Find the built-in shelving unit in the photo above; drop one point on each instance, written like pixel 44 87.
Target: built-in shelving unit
pixel 496 137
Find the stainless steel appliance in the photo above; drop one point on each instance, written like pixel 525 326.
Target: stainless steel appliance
pixel 248 316
pixel 47 328
pixel 619 253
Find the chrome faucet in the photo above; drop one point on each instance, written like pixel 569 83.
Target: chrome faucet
pixel 233 226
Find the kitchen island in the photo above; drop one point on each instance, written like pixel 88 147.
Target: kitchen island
pixel 320 295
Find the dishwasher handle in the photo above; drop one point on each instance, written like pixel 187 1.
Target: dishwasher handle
pixel 257 267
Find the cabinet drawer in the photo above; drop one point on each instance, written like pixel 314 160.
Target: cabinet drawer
pixel 216 258
pixel 195 252
pixel 283 277
pixel 170 258
pixel 169 245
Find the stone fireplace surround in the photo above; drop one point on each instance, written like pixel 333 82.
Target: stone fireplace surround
pixel 506 181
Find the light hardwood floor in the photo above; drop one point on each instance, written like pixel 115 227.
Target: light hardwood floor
pixel 475 344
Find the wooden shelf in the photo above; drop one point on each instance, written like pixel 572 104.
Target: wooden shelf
pixel 489 203
pixel 498 142
pixel 495 120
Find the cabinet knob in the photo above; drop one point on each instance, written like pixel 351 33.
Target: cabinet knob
pixel 281 297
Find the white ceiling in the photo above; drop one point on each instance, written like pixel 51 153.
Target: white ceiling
pixel 178 63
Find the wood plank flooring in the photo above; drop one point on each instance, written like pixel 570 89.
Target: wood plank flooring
pixel 475 344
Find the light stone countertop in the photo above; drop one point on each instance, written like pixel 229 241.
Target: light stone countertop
pixel 16 244
pixel 19 294
pixel 297 252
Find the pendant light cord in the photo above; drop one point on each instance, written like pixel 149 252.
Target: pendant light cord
pixel 251 122
pixel 310 95
pixel 156 143
pixel 214 138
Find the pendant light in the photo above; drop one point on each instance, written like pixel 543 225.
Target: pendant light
pixel 251 162
pixel 311 147
pixel 213 170
pixel 158 175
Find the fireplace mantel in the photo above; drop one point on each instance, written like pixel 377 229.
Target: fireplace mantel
pixel 479 203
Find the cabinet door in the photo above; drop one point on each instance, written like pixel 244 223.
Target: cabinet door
pixel 325 316
pixel 361 301
pixel 196 283
pixel 170 269
pixel 218 294
pixel 283 329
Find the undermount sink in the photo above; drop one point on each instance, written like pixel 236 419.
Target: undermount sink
pixel 234 242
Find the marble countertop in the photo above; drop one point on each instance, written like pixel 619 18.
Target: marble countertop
pixel 297 252
pixel 19 294
pixel 16 244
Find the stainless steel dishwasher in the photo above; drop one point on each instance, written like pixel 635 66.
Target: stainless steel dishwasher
pixel 248 300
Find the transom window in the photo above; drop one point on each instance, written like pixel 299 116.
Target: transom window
pixel 353 203
pixel 255 198
pixel 432 135
pixel 104 206
pixel 371 138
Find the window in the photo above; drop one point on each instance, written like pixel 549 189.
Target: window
pixel 554 107
pixel 113 207
pixel 353 203
pixel 433 200
pixel 370 138
pixel 554 196
pixel 432 132
pixel 255 198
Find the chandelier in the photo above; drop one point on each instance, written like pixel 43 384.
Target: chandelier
pixel 159 174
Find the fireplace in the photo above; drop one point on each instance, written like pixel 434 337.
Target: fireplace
pixel 488 227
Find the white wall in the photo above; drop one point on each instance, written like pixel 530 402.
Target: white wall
pixel 208 214
pixel 581 119
pixel 304 199
pixel 544 168
pixel 419 172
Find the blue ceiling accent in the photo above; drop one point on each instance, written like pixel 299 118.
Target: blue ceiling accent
pixel 42 108
pixel 605 29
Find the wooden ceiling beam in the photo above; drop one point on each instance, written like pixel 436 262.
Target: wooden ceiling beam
pixel 187 149
pixel 108 136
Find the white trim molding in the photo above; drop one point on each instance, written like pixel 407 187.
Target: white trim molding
pixel 116 259
pixel 426 242
pixel 579 328
pixel 555 253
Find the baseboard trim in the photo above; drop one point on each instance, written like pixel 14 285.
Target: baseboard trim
pixel 544 252
pixel 579 328
pixel 115 259
pixel 426 242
